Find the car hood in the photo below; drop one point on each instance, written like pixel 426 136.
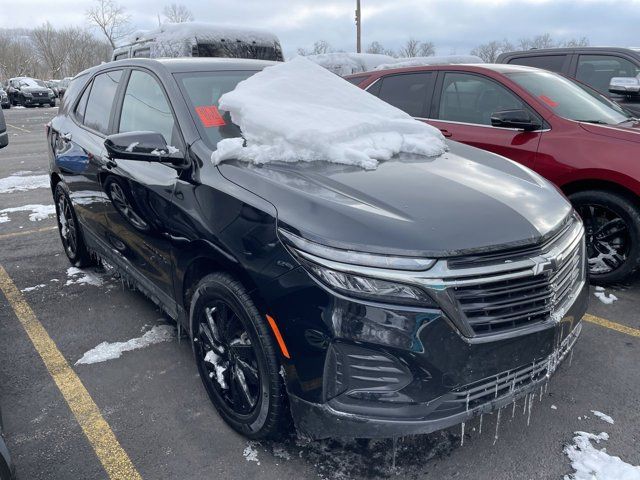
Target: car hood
pixel 464 201
pixel 625 131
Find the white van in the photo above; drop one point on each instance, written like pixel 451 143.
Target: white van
pixel 198 39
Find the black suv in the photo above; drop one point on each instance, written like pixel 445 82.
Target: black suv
pixel 595 66
pixel 30 92
pixel 367 303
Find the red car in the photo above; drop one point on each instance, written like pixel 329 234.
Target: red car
pixel 569 133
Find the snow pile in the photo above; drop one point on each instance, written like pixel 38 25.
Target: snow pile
pixel 250 453
pixel 347 63
pixel 603 416
pixel 22 183
pixel 433 60
pixel 298 111
pixel 109 351
pixel 590 463
pixel 38 212
pixel 178 39
pixel 80 277
pixel 604 297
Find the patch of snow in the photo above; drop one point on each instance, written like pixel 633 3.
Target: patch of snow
pixel 158 152
pixel 604 297
pixel 4 218
pixel 298 111
pixel 342 63
pixel 22 183
pixel 131 147
pixel 38 212
pixel 215 360
pixel 426 61
pixel 603 416
pixel 109 351
pixel 250 453
pixel 30 289
pixel 82 277
pixel 553 407
pixel 172 150
pixel 591 463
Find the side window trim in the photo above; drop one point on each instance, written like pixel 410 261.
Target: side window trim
pixel 435 106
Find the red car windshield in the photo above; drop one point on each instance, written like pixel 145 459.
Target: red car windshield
pixel 570 99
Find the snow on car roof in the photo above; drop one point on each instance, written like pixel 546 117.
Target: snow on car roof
pixel 342 63
pixel 298 111
pixel 426 61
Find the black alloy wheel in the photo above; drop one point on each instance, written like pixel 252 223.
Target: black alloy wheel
pixel 236 358
pixel 612 230
pixel 69 229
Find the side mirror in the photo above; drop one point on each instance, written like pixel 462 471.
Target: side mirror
pixel 144 147
pixel 4 136
pixel 629 86
pixel 520 119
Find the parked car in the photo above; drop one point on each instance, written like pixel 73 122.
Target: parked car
pixel 200 39
pixel 461 277
pixel 53 85
pixel 7 470
pixel 4 137
pixel 30 92
pixel 62 86
pixel 564 130
pixel 595 66
pixel 4 99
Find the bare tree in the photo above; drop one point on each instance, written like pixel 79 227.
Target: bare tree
pixel 17 57
pixel 51 47
pixel 177 13
pixel 410 49
pixel 427 49
pixel 489 52
pixel 576 42
pixel 110 18
pixel 543 41
pixel 377 47
pixel 319 47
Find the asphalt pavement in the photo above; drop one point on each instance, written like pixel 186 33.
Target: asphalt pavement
pixel 154 403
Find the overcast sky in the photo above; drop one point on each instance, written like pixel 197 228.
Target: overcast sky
pixel 454 26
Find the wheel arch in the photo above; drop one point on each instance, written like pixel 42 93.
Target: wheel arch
pixel 601 184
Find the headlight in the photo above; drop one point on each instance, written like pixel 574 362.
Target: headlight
pixel 51 93
pixel 324 263
pixel 27 94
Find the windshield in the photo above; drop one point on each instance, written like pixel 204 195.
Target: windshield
pixel 570 99
pixel 31 82
pixel 203 90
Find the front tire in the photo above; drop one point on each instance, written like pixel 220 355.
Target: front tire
pixel 237 359
pixel 69 229
pixel 612 227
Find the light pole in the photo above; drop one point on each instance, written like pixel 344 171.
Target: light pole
pixel 358 27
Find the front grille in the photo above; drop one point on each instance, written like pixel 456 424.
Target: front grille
pixel 492 307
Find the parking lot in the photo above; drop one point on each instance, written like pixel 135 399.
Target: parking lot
pixel 163 424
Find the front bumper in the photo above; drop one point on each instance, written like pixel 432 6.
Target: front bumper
pixel 451 382
pixel 39 101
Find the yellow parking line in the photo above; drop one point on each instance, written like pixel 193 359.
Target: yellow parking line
pixel 612 325
pixel 26 232
pixel 114 459
pixel 19 128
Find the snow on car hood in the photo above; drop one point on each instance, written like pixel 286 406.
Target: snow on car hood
pixel 299 111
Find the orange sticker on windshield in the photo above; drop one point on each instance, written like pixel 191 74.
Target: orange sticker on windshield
pixel 548 101
pixel 210 116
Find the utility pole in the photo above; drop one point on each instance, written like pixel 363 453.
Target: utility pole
pixel 358 27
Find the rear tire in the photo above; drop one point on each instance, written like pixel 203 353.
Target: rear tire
pixel 612 226
pixel 237 359
pixel 70 231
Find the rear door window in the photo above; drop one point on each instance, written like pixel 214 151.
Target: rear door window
pixel 82 105
pixel 554 63
pixel 408 92
pixel 100 101
pixel 598 70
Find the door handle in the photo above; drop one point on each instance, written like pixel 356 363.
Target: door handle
pixel 446 132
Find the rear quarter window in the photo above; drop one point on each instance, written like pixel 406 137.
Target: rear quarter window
pixel 74 88
pixel 100 102
pixel 554 63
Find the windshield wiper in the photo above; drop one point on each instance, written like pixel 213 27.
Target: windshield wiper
pixel 597 122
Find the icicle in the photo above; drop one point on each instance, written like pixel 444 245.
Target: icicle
pixel 540 399
pixel 461 443
pixel 468 393
pixel 513 411
pixel 395 448
pixel 480 429
pixel 570 357
pixel 497 380
pixel 495 437
pixel 529 415
pixel 524 410
pixel 546 386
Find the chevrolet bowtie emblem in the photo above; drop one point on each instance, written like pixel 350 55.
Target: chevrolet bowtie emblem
pixel 543 264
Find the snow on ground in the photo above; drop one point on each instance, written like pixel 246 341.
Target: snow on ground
pixel 433 60
pixel 22 183
pixel 109 351
pixel 604 297
pixel 35 287
pixel 591 463
pixel 298 111
pixel 603 416
pixel 38 212
pixel 342 63
pixel 250 453
pixel 83 277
